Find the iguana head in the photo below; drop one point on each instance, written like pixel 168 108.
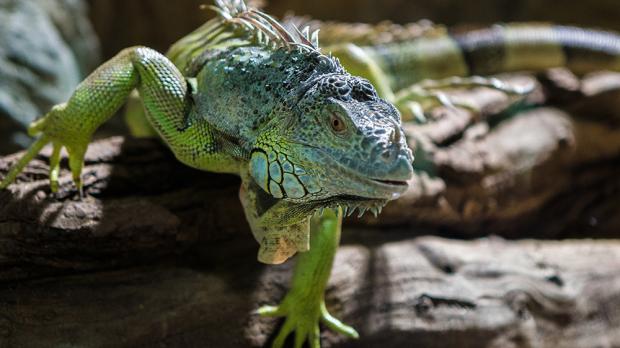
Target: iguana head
pixel 317 137
pixel 340 145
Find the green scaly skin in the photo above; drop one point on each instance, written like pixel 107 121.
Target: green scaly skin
pixel 243 95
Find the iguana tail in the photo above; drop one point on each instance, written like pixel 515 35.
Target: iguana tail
pixel 535 47
pixel 500 48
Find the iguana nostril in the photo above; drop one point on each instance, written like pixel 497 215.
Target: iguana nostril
pixel 402 170
pixel 389 154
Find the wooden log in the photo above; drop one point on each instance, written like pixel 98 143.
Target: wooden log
pixel 396 290
pixel 141 205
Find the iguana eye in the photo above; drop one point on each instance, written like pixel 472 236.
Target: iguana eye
pixel 337 123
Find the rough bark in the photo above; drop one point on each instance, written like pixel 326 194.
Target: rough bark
pixel 396 290
pixel 141 204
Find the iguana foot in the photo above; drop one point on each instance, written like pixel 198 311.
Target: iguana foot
pixel 414 101
pixel 54 128
pixel 303 317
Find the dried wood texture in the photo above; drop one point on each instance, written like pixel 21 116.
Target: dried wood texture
pixel 396 290
pixel 141 205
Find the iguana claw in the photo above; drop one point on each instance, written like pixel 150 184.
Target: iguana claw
pixel 52 128
pixel 303 318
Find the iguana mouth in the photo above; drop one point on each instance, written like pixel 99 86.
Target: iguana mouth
pixel 351 203
pixel 391 182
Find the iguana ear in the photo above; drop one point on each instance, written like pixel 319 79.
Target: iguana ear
pixel 259 170
pixel 281 228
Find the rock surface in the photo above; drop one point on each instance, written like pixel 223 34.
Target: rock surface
pixel 46 48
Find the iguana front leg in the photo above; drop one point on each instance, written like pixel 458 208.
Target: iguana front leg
pixel 165 95
pixel 304 305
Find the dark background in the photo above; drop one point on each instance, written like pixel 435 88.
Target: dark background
pixel 158 23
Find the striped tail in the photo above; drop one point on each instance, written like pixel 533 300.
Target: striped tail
pixel 500 48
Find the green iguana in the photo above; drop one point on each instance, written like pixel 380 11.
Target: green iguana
pixel 245 94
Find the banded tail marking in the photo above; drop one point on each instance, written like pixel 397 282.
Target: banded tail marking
pixel 500 48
